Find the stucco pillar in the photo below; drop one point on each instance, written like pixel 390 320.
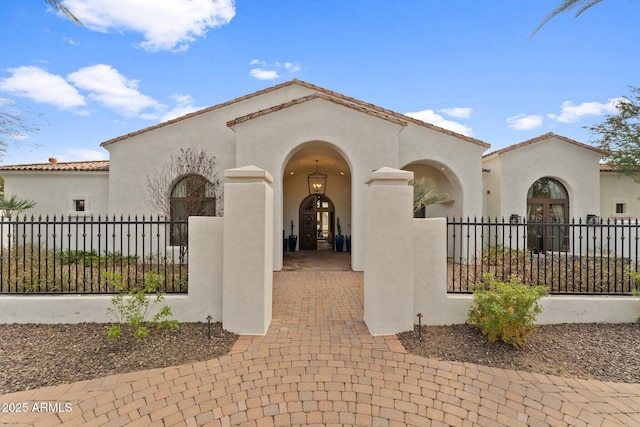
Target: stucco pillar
pixel 388 257
pixel 205 269
pixel 248 251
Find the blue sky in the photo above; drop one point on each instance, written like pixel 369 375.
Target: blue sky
pixel 466 65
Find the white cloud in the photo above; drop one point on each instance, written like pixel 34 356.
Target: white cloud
pixel 111 89
pixel 459 112
pixel 165 25
pixel 261 74
pixel 41 86
pixel 573 113
pixel 270 71
pixel 523 122
pixel 429 116
pixel 71 41
pixel 293 68
pixel 184 105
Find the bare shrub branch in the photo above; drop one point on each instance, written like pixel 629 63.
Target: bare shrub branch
pixel 189 161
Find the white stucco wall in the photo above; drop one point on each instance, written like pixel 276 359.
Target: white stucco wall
pixel 617 188
pixel 55 191
pixel 366 143
pixel 388 274
pixel 139 156
pixel 491 187
pixel 458 159
pixel 575 167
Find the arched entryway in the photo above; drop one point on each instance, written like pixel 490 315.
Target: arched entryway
pixel 547 205
pixel 317 215
pixel 310 215
pixel 445 182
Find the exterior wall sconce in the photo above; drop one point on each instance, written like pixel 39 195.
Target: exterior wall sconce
pixel 317 182
pixel 514 219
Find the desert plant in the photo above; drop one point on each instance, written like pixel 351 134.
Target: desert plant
pixel 505 310
pixel 132 308
pixel 424 194
pixel 13 205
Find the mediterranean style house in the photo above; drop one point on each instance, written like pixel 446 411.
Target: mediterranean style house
pixel 299 133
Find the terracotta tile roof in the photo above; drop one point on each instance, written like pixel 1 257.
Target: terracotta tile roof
pixel 605 167
pixel 543 138
pixel 88 166
pixel 317 89
pixel 312 97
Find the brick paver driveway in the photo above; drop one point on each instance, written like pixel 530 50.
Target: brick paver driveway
pixel 318 365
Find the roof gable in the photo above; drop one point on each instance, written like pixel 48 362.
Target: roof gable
pixel 308 98
pixel 545 137
pixel 319 90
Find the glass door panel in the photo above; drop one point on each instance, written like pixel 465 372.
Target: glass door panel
pixel 534 232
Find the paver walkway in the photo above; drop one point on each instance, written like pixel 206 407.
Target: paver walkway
pixel 318 365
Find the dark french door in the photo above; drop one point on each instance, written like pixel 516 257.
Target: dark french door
pixel 316 221
pixel 547 216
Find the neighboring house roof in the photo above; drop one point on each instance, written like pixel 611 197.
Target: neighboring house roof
pixel 319 90
pixel 310 98
pixel 545 137
pixel 88 166
pixel 605 167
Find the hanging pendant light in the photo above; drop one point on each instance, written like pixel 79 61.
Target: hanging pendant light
pixel 317 182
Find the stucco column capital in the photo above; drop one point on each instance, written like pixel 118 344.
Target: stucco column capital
pixel 389 176
pixel 248 173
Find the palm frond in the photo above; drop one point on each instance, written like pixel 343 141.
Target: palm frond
pixel 63 10
pixel 14 204
pixel 566 5
pixel 424 194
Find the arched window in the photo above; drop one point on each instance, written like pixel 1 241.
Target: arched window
pixel 548 204
pixel 192 195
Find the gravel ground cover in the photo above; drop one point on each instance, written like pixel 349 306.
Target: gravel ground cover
pixel 33 356
pixel 606 352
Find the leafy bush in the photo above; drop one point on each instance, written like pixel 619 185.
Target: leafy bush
pixel 132 308
pixel 505 310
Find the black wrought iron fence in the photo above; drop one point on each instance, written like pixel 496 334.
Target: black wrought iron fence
pixel 576 257
pixel 75 254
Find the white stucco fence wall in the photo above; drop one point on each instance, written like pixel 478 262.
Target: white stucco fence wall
pixel 440 308
pixel 203 299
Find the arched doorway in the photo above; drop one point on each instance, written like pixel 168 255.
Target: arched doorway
pixel 317 215
pixel 548 206
pixel 307 214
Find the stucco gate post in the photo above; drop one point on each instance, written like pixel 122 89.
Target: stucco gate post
pixel 388 257
pixel 247 251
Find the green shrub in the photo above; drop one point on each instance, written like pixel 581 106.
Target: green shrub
pixel 132 308
pixel 505 310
